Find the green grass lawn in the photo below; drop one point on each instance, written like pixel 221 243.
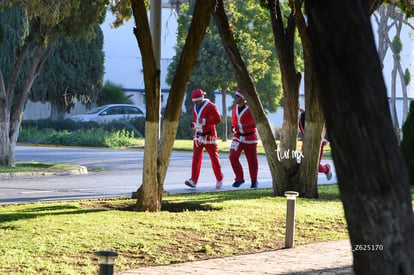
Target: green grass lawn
pixel 62 237
pixel 37 167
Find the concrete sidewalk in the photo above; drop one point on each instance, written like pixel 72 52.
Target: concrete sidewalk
pixel 333 257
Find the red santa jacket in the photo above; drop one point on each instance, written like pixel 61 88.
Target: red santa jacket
pixel 243 125
pixel 204 122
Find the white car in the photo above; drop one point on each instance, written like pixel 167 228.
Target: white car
pixel 109 113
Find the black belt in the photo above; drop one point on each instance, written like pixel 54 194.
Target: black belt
pixel 204 134
pixel 245 134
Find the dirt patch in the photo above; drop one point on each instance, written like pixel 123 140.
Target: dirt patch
pixel 130 206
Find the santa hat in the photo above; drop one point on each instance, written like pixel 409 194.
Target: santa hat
pixel 239 93
pixel 197 95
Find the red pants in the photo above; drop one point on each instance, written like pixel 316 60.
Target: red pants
pixel 250 150
pixel 212 150
pixel 322 168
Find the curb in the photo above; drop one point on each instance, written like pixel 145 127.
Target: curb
pixel 79 171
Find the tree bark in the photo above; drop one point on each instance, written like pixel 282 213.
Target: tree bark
pixel 224 111
pixel 149 193
pixel 308 169
pixel 372 176
pixel 284 43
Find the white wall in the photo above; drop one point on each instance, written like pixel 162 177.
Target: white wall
pixel 123 62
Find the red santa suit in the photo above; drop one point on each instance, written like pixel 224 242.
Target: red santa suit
pixel 205 118
pixel 244 139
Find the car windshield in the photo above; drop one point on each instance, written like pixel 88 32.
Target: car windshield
pixel 95 110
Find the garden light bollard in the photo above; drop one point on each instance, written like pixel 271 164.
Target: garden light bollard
pixel 290 218
pixel 106 262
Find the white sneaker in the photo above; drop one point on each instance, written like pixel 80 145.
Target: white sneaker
pixel 219 184
pixel 190 183
pixel 329 175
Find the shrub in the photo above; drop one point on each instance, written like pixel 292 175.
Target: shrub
pixel 113 94
pixel 407 144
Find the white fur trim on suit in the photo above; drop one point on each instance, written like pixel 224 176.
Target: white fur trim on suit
pixel 239 94
pixel 198 98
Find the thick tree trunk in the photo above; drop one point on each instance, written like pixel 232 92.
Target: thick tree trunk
pixel 372 176
pixel 12 111
pixel 57 110
pixel 284 43
pixel 149 193
pixel 308 169
pixel 4 124
pixel 246 83
pixel 224 111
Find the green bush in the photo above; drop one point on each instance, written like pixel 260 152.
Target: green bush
pixel 94 137
pixel 184 127
pixel 112 93
pixel 407 144
pixel 114 134
pixel 34 135
pixel 58 125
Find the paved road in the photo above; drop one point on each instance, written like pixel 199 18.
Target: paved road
pixel 121 176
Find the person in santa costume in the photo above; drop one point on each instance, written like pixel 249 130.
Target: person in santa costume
pixel 205 118
pixel 244 139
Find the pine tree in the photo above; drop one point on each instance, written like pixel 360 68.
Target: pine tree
pixel 73 73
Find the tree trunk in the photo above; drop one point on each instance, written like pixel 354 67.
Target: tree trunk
pixel 224 111
pixel 57 110
pixel 372 176
pixel 149 193
pixel 308 169
pixel 246 83
pixel 394 114
pixel 284 43
pixel 4 124
pixel 12 111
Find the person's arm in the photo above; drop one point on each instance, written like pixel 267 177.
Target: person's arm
pixel 214 115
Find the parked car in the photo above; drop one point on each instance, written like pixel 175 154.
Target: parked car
pixel 111 112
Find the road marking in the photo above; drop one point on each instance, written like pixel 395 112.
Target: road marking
pixel 37 191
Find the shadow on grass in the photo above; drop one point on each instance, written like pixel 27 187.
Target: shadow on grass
pixel 48 210
pixel 130 205
pixel 196 202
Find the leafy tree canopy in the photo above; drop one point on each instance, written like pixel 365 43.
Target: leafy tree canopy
pixel 73 18
pixel 73 73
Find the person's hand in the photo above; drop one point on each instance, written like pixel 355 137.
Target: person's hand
pixel 202 121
